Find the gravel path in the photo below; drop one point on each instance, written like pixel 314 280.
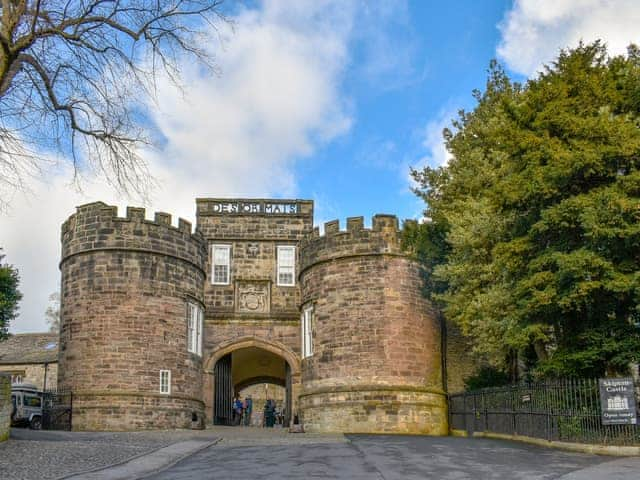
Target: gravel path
pixel 31 455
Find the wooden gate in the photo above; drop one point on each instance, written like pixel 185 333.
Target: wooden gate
pixel 223 392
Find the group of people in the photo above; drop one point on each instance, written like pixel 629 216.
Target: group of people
pixel 242 412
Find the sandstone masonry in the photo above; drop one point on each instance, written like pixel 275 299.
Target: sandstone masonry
pixel 365 358
pixel 126 284
pixel 5 406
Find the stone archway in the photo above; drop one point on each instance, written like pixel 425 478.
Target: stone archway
pixel 272 346
pixel 252 358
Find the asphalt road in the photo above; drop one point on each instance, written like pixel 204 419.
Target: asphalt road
pixel 398 457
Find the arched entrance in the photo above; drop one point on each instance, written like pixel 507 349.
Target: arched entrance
pixel 241 365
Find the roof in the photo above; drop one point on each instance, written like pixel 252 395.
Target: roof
pixel 26 348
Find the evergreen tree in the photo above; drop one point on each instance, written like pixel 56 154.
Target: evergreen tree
pixel 540 209
pixel 9 296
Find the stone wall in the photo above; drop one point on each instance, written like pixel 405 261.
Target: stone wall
pixel 376 361
pixel 461 363
pixel 254 236
pixel 34 374
pixel 5 406
pixel 125 287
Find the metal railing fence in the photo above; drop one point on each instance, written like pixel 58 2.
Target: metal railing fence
pixel 563 410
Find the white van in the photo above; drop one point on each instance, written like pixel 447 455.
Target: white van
pixel 26 403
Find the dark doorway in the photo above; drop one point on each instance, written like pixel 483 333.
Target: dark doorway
pixel 244 372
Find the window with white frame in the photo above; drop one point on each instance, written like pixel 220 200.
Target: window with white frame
pixel 286 265
pixel 220 262
pixel 165 382
pixel 194 328
pixel 307 332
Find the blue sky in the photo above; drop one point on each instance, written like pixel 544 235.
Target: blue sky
pixel 331 100
pixel 443 50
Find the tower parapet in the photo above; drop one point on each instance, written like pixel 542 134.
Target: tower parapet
pixel 384 237
pixel 96 226
pixel 127 287
pixel 375 365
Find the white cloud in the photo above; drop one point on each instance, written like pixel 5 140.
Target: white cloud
pixel 534 31
pixel 437 154
pixel 277 99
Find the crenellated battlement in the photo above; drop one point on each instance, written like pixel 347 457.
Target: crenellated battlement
pixel 384 237
pixel 97 226
pixel 101 210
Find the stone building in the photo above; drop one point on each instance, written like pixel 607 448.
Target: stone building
pixel 31 358
pixel 162 325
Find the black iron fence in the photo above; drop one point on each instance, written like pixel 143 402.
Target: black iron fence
pixel 57 410
pixel 566 410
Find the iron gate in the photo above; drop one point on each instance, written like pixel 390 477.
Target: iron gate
pixel 57 407
pixel 287 408
pixel 223 392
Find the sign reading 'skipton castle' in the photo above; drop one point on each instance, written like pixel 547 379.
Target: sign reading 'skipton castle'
pixel 267 207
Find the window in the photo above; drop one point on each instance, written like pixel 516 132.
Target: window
pixel 220 258
pixel 165 381
pixel 194 328
pixel 286 265
pixel 30 401
pixel 307 332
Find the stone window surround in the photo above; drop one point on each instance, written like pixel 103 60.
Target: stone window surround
pixel 306 324
pixel 195 327
pixel 282 267
pixel 220 246
pixel 165 382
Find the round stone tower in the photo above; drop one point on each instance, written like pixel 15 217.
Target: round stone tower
pixel 375 365
pixel 128 285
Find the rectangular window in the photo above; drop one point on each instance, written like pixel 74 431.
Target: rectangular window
pixel 307 332
pixel 286 265
pixel 165 382
pixel 194 328
pixel 220 261
pixel 30 401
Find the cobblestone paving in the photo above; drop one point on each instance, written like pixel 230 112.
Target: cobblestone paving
pixel 31 455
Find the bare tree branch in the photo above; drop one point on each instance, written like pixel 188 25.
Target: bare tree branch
pixel 72 76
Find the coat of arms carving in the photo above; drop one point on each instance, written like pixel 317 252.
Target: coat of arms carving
pixel 253 297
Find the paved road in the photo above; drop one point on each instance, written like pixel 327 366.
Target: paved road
pixel 396 457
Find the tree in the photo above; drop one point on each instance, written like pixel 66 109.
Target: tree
pixel 541 209
pixel 9 296
pixel 52 313
pixel 73 74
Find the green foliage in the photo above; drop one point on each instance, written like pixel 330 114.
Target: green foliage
pixel 486 377
pixel 537 216
pixel 9 296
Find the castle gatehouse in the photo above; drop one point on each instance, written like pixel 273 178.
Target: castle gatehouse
pixel 161 325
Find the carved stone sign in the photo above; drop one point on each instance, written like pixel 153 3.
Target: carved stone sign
pixel 618 401
pixel 253 250
pixel 269 207
pixel 253 296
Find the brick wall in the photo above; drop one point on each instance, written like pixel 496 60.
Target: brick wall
pixel 376 362
pixel 125 286
pixel 5 406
